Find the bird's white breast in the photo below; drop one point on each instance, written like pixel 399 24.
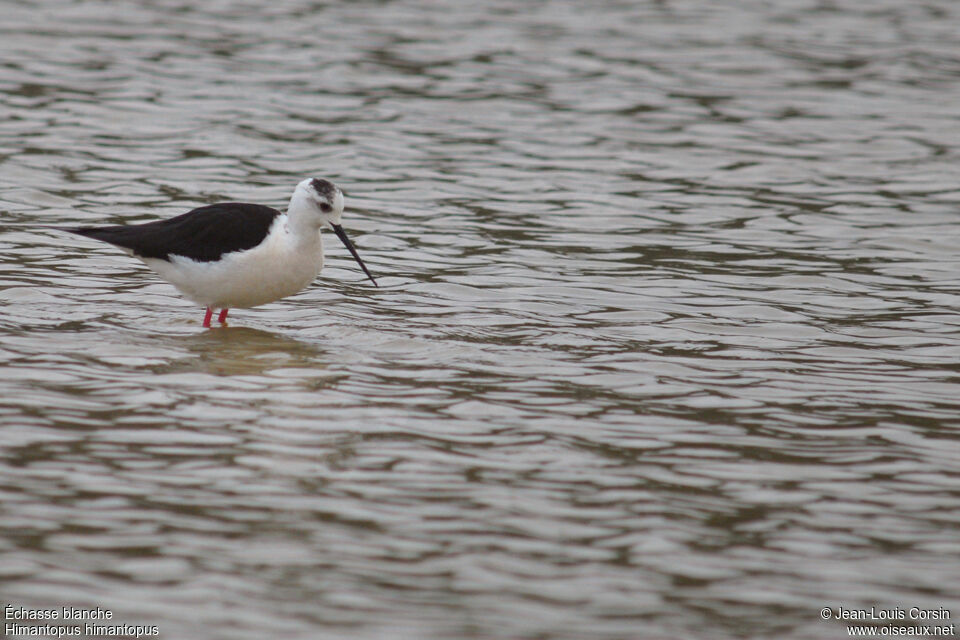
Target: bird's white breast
pixel 281 265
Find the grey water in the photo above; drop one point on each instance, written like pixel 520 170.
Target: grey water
pixel 666 343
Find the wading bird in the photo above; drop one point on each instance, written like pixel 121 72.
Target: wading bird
pixel 236 254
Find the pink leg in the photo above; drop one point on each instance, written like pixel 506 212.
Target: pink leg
pixel 206 318
pixel 223 316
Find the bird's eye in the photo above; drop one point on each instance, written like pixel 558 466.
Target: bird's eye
pixel 325 207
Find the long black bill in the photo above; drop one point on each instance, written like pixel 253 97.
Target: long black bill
pixel 337 229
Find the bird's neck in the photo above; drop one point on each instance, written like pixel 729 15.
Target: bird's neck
pixel 301 217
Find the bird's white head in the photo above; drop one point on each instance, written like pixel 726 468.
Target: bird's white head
pixel 319 201
pixel 316 203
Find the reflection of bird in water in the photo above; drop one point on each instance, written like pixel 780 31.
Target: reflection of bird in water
pixel 243 351
pixel 236 254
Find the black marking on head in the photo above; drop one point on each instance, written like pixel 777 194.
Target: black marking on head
pixel 204 234
pixel 325 188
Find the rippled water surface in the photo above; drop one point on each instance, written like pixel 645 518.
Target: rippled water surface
pixel 666 343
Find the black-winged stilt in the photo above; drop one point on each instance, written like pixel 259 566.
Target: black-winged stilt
pixel 236 254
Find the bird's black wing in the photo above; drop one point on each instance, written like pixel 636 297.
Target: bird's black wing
pixel 204 234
